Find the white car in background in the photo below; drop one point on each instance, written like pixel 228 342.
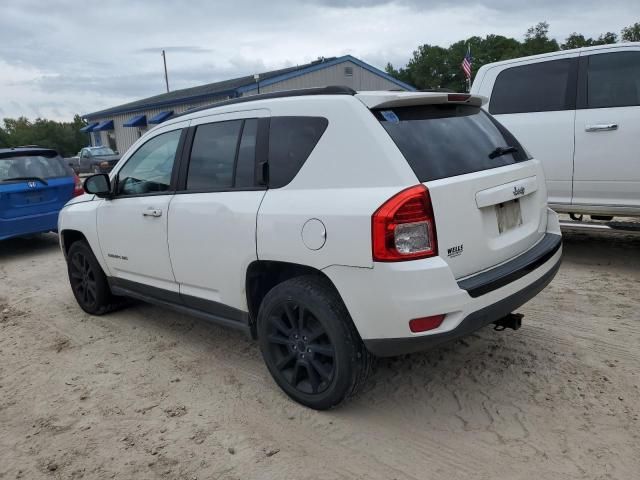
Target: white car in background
pixel 578 112
pixel 330 225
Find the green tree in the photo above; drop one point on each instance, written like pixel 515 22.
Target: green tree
pixel 631 33
pixel 537 40
pixel 576 40
pixel 432 67
pixel 65 137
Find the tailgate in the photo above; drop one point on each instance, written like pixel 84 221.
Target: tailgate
pixel 489 198
pixel 22 199
pixel 486 218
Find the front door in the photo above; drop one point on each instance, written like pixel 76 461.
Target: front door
pixel 607 130
pixel 132 226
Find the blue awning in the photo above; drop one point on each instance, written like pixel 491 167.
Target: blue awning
pixel 106 125
pixel 137 121
pixel 161 117
pixel 89 127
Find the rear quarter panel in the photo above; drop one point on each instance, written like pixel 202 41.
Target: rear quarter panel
pixel 354 168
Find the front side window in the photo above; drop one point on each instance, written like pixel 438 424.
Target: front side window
pixel 149 169
pixel 213 156
pixel 537 87
pixel 613 80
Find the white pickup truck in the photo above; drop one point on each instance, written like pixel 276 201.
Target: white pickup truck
pixel 578 111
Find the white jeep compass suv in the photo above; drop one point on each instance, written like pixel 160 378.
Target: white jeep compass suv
pixel 330 225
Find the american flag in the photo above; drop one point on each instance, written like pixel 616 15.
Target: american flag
pixel 466 64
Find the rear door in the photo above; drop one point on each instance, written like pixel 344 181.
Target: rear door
pixel 607 129
pixel 536 102
pixel 212 218
pixel 489 203
pixel 34 186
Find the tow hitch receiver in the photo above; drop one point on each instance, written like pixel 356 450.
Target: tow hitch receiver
pixel 513 320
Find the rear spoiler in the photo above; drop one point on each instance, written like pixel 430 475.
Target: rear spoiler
pixel 410 99
pixel 27 152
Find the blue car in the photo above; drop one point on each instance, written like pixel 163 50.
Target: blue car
pixel 35 183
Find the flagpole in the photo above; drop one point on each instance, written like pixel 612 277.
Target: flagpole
pixel 470 70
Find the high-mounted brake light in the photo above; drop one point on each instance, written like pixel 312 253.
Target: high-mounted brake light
pixel 404 227
pixel 77 186
pixel 458 97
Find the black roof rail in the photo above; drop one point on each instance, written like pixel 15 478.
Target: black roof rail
pixel 302 92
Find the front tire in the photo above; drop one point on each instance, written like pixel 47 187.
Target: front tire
pixel 88 281
pixel 310 344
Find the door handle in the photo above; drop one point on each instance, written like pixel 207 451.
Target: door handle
pixel 603 127
pixel 152 212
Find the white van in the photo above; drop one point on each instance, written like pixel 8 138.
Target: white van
pixel 578 111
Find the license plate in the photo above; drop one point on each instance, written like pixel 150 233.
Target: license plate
pixel 509 215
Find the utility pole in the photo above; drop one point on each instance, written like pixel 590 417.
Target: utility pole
pixel 256 77
pixel 166 77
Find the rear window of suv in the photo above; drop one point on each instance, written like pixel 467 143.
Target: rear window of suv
pixel 445 140
pixel 29 166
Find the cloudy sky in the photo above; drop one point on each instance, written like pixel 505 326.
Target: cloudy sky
pixel 60 57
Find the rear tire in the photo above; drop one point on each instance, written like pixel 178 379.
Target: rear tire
pixel 310 344
pixel 88 281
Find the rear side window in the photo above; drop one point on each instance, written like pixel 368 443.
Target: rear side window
pixel 613 80
pixel 29 166
pixel 440 141
pixel 538 87
pixel 291 141
pixel 213 156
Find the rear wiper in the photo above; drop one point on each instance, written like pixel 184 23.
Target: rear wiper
pixel 500 151
pixel 15 179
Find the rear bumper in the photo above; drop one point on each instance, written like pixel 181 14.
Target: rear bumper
pixel 390 347
pixel 382 300
pixel 16 227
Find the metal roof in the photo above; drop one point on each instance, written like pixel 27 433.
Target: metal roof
pixel 236 86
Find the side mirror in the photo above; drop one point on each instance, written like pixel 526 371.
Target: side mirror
pixel 98 184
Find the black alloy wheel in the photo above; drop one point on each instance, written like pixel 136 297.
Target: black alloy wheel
pixel 83 278
pixel 301 348
pixel 310 344
pixel 88 281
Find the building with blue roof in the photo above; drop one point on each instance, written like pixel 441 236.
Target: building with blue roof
pixel 119 127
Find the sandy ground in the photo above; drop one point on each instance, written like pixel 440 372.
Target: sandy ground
pixel 146 393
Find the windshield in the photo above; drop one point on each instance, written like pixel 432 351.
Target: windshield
pixel 444 140
pixel 36 166
pixel 101 152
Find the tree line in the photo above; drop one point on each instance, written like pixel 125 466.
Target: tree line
pixel 65 137
pixel 433 67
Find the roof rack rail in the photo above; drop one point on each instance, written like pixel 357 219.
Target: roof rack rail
pixel 302 92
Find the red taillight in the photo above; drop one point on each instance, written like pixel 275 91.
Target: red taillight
pixel 77 187
pixel 425 323
pixel 458 97
pixel 404 228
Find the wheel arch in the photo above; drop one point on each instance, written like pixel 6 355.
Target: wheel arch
pixel 263 275
pixel 69 237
